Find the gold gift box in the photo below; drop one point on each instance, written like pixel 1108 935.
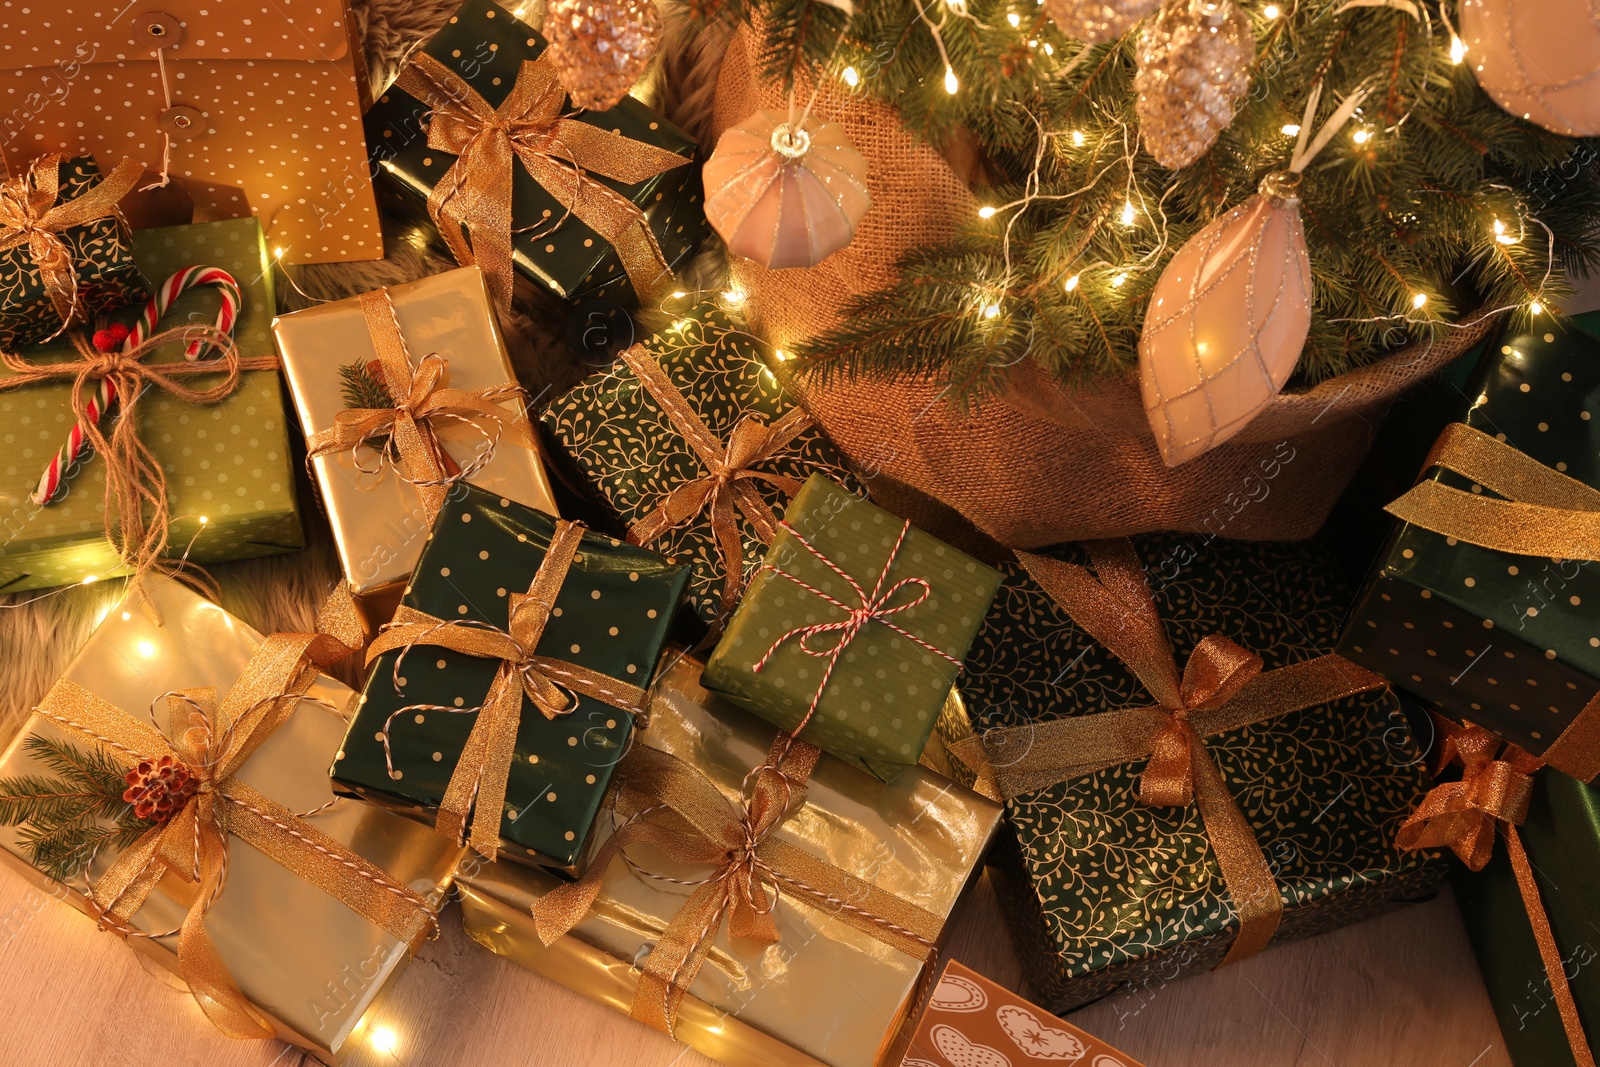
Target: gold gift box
pixel 308 962
pixel 379 523
pixel 826 993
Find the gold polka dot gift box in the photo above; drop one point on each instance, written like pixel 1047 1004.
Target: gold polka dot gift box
pixel 176 802
pixel 860 877
pixel 229 110
pixel 1483 599
pixel 852 630
pixel 585 203
pixel 504 691
pixel 229 481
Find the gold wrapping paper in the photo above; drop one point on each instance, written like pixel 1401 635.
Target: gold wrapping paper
pixel 825 992
pixel 379 521
pixel 308 962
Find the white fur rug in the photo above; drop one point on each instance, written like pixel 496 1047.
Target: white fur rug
pixel 40 632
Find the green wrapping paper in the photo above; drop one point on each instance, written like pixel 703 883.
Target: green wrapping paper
pixel 1105 891
pixel 623 445
pixel 1506 641
pixel 885 692
pixel 102 260
pixel 486 45
pixel 229 476
pixel 611 616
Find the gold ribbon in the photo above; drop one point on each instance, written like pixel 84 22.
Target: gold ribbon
pixel 1222 688
pixel 30 216
pixel 421 397
pixel 1543 513
pixel 674 808
pixel 213 741
pixel 558 152
pixel 476 794
pixel 1493 791
pixel 728 487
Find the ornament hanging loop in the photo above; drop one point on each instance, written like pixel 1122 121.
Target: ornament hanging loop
pixel 791 142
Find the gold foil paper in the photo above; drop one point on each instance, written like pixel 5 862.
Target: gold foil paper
pixel 825 993
pixel 307 961
pixel 379 522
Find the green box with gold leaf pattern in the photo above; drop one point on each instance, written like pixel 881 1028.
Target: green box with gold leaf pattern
pixel 1107 894
pixel 229 479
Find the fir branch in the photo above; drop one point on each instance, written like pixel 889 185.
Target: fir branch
pixel 362 386
pixel 66 819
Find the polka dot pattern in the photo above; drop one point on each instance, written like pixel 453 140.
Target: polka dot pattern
pixel 885 694
pixel 279 99
pixel 228 461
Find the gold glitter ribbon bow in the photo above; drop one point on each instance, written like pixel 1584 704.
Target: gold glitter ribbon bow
pixel 421 397
pixel 674 808
pixel 1543 513
pixel 560 153
pixel 30 216
pixel 728 487
pixel 1493 791
pixel 212 742
pixel 476 794
pixel 1222 688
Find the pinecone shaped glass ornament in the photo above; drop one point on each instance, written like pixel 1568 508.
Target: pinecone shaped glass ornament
pixel 782 195
pixel 1194 68
pixel 1227 322
pixel 1097 21
pixel 600 48
pixel 1538 59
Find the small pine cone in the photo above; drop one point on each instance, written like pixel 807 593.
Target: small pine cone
pixel 601 47
pixel 1194 68
pixel 159 788
pixel 1097 21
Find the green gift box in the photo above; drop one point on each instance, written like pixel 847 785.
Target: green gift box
pixel 102 262
pixel 229 478
pixel 486 45
pixel 1106 892
pixel 852 630
pixel 1507 641
pixel 611 615
pixel 657 422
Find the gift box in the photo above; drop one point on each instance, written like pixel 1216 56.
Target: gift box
pixel 875 694
pixel 229 478
pixel 971 1020
pixel 1144 842
pixel 1481 599
pixel 381 501
pixel 96 272
pixel 585 203
pixel 827 991
pixel 650 436
pixel 307 963
pixel 443 725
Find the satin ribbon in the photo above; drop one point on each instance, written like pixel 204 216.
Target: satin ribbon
pixel 423 397
pixel 31 218
pixel 728 488
pixel 1222 688
pixel 560 153
pixel 214 741
pixel 1543 513
pixel 672 807
pixel 476 794
pixel 1493 791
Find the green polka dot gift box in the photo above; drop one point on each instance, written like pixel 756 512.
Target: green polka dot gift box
pixel 852 630
pixel 557 227
pixel 416 717
pixel 229 478
pixel 1483 600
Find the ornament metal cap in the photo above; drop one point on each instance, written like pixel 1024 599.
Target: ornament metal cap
pixel 791 142
pixel 1282 186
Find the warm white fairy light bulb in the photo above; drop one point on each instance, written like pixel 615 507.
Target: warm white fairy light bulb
pixel 1536 307
pixel 1271 11
pixel 986 212
pixel 1128 213
pixel 1419 300
pixel 1361 136
pixel 991 311
pixel 1118 279
pixel 1077 138
pixel 851 78
pixel 1070 284
pixel 1458 50
pixel 1292 129
pixel 950 83
pixel 1014 19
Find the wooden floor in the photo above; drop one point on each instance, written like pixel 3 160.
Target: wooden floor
pixel 1401 990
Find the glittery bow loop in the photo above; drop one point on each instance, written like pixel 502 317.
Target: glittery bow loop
pixel 1216 672
pixel 29 215
pixel 474 195
pixel 476 793
pixel 1494 788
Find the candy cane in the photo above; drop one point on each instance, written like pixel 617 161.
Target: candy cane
pixel 106 392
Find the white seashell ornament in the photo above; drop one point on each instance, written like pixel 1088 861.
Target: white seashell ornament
pixel 1538 59
pixel 785 195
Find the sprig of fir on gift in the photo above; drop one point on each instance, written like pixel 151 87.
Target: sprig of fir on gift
pixel 67 818
pixel 363 387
